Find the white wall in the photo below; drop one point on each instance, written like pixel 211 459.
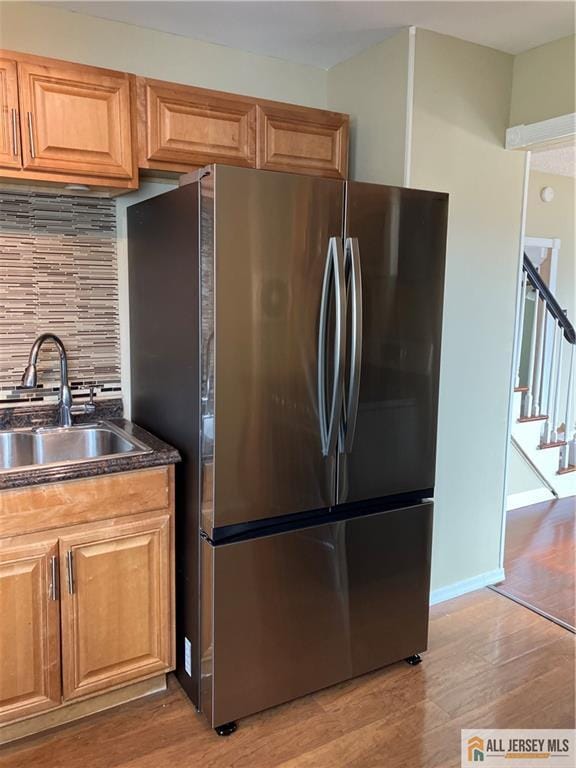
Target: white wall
pixel 49 31
pixel 461 106
pixel 372 87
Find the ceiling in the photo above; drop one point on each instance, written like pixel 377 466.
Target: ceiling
pixel 324 33
pixel 561 161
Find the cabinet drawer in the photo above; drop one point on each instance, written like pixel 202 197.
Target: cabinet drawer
pixel 37 508
pixel 182 127
pixel 302 140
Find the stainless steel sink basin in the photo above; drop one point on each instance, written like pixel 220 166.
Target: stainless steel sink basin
pixel 41 446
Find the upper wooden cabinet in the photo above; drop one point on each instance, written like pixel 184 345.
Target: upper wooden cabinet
pixel 10 156
pixel 29 627
pixel 75 119
pixel 302 140
pixel 65 123
pixel 181 127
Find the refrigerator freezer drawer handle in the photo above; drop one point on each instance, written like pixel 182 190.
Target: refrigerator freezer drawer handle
pixel 354 273
pixel 333 271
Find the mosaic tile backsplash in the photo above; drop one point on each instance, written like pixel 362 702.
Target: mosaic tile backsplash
pixel 58 273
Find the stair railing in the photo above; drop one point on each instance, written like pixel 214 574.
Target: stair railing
pixel 547 339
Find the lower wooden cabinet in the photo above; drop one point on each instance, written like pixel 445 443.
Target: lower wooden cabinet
pixel 115 604
pixel 86 607
pixel 29 628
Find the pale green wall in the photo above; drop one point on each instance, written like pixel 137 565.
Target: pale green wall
pixel 50 31
pixel 372 88
pixel 461 106
pixel 556 219
pixel 543 82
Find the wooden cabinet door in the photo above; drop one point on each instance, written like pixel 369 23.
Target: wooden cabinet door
pixel 29 628
pixel 116 604
pixel 10 155
pixel 75 119
pixel 181 127
pixel 302 140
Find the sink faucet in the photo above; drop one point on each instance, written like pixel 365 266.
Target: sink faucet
pixel 30 378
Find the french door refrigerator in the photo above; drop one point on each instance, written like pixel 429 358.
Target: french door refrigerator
pixel 285 337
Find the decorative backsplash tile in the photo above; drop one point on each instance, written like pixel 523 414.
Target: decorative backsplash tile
pixel 58 273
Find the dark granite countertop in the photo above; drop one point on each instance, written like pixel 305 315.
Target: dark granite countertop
pixel 160 452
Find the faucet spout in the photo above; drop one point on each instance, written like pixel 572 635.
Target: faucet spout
pixel 30 376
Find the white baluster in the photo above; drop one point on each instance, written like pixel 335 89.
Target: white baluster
pixel 552 365
pixel 531 359
pixel 569 434
pixel 537 383
pixel 556 406
pixel 520 328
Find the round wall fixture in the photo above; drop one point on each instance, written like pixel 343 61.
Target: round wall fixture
pixel 547 194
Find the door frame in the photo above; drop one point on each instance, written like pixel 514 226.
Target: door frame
pixel 547 134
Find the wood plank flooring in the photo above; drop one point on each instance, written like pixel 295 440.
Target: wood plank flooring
pixel 491 663
pixel 540 558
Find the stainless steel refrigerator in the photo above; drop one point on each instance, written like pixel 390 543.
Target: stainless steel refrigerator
pixel 285 337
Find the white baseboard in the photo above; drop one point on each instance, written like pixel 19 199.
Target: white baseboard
pixel 525 498
pixel 465 586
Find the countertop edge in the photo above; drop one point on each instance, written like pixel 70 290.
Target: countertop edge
pixel 161 454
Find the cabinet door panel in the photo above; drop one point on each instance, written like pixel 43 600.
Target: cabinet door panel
pixel 75 120
pixel 10 156
pixel 29 630
pixel 302 140
pixel 182 127
pixel 116 608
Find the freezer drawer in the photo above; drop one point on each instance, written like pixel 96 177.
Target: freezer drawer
pixel 291 613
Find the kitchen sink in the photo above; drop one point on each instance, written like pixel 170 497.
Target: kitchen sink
pixel 41 446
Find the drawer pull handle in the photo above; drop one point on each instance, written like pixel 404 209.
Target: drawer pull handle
pixel 53 578
pixel 31 136
pixel 70 572
pixel 14 132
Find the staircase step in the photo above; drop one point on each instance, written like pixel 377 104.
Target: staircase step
pixel 522 419
pixel 565 471
pixel 557 444
pixel 520 389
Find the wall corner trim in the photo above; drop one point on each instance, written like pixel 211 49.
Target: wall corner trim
pixel 487 579
pixel 409 105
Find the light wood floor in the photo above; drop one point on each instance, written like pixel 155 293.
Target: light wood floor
pixel 540 557
pixel 491 663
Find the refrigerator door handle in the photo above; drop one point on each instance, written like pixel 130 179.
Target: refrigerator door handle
pixel 334 270
pixel 354 270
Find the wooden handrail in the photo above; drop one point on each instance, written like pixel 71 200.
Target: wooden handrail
pixel 549 300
